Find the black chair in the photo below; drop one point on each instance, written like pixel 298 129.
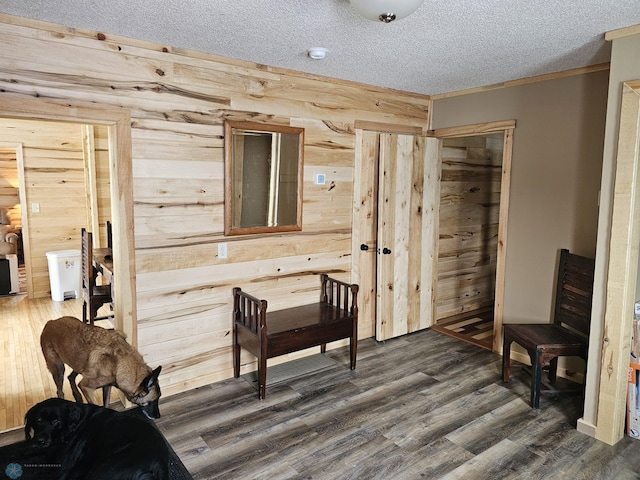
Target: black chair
pixel 568 335
pixel 93 296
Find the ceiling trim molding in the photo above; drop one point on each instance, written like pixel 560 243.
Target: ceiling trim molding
pixel 524 81
pixel 622 32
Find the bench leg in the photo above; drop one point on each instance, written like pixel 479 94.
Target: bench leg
pixel 236 355
pixel 353 347
pixel 323 348
pixel 262 377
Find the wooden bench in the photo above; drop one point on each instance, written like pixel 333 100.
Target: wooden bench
pixel 268 335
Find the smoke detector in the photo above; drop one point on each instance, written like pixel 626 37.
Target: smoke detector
pixel 317 53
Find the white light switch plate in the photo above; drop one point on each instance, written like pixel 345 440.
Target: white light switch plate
pixel 222 250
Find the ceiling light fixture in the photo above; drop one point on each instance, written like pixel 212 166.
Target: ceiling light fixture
pixel 317 53
pixel 386 11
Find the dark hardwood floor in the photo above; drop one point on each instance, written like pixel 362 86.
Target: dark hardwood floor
pixel 421 406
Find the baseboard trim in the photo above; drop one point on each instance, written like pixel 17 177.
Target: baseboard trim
pixel 586 428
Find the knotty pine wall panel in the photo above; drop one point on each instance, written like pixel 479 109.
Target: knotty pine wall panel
pixel 9 196
pixel 178 102
pixel 103 182
pixel 469 217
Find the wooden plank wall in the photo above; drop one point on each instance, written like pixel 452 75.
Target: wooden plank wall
pixel 9 193
pixel 178 102
pixel 100 152
pixel 469 214
pixel 9 197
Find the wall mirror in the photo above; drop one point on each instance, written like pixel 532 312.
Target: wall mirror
pixel 263 178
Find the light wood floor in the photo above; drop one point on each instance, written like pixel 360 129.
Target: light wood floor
pixel 24 378
pixel 424 405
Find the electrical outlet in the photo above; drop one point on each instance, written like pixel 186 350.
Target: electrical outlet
pixel 222 250
pixel 35 207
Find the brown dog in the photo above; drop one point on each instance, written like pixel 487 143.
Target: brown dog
pixel 103 358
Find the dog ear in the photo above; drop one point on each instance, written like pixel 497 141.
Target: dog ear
pixel 146 384
pixel 28 424
pixel 152 378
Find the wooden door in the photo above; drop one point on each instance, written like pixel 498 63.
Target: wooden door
pixel 365 229
pixel 395 231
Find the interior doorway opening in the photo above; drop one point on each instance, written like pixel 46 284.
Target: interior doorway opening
pixel 118 144
pixel 473 219
pixel 469 215
pixel 58 176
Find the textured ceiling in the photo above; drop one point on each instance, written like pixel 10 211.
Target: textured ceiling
pixel 445 46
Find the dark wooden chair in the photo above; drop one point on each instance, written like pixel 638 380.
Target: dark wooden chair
pixel 93 296
pixel 568 335
pixel 109 234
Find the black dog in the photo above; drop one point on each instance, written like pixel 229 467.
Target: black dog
pixel 93 442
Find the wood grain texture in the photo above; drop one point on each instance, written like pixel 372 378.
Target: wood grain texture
pixel 365 228
pixel 622 272
pixel 470 193
pixel 175 103
pixel 9 197
pixel 406 234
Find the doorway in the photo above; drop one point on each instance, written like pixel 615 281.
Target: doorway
pixel 59 174
pixel 118 144
pixel 382 199
pixel 489 135
pixel 469 214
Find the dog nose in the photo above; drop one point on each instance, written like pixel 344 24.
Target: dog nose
pixel 151 410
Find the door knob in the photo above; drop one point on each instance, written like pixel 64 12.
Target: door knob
pixel 386 251
pixel 364 247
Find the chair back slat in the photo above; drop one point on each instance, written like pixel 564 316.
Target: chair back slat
pixel 574 292
pixel 86 248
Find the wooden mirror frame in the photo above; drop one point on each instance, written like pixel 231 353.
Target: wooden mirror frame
pixel 230 167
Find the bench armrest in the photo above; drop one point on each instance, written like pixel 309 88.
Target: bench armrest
pixel 249 310
pixel 339 294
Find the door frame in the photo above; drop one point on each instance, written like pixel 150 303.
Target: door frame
pixel 118 122
pixel 507 128
pixel 24 217
pixel 622 273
